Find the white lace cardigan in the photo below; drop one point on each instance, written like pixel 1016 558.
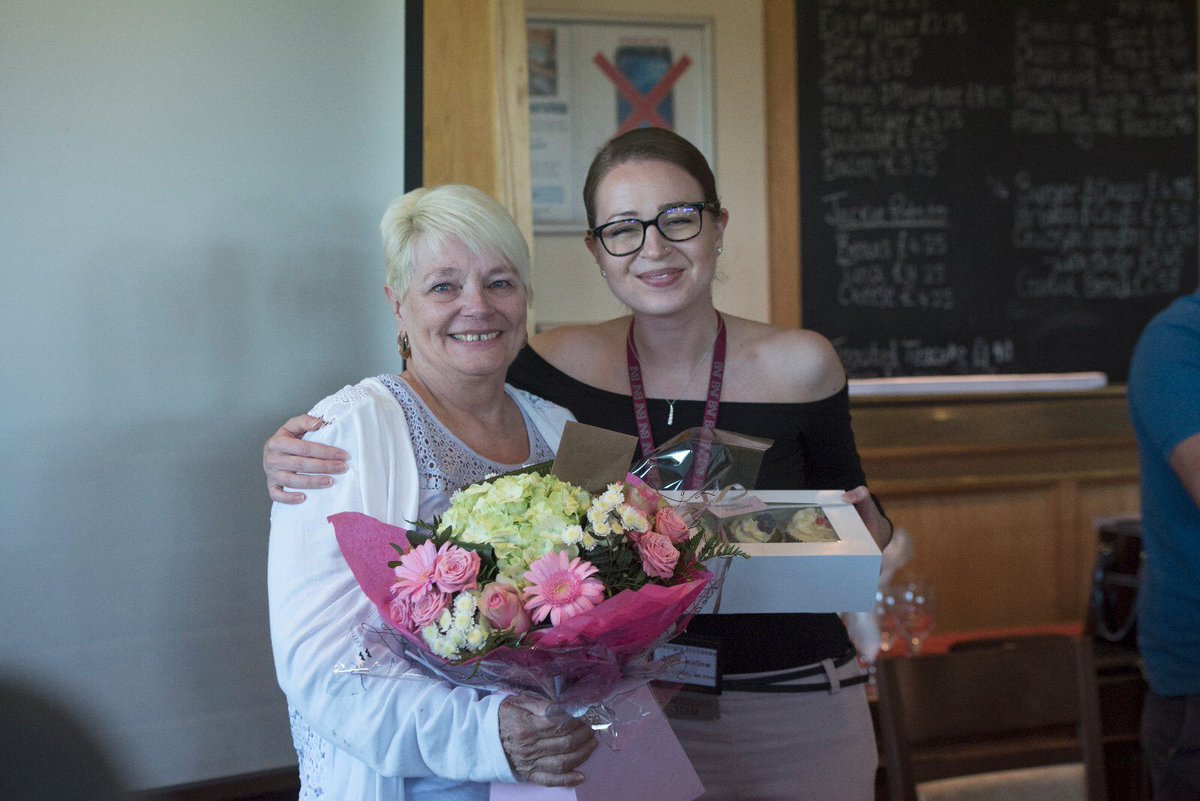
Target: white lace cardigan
pixel 369 732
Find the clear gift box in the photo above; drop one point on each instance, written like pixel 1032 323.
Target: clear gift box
pixel 809 552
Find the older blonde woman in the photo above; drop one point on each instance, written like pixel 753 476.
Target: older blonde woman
pixel 457 285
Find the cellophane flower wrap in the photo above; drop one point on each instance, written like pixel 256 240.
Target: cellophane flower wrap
pixel 530 584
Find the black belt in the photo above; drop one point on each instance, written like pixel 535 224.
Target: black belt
pixel 778 681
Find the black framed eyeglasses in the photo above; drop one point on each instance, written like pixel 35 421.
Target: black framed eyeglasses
pixel 676 224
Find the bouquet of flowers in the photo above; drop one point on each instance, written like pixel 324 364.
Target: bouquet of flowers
pixel 531 583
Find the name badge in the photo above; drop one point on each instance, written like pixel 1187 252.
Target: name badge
pixel 700 667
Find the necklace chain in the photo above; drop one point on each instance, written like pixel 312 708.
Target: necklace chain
pixel 691 378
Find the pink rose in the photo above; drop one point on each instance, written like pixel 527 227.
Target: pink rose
pixel 501 604
pixel 456 568
pixel 427 608
pixel 658 555
pixel 400 613
pixel 668 523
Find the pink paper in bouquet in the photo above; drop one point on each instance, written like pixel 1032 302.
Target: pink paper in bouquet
pixel 366 545
pixel 578 662
pixel 629 622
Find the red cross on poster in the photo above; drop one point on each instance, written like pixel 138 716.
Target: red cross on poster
pixel 643 77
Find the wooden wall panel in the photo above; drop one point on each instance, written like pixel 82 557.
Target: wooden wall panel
pixel 783 161
pixel 1009 557
pixel 990 555
pixel 1001 496
pixel 476 103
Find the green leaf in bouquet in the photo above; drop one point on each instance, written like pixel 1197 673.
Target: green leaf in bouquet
pixel 617 564
pixel 540 468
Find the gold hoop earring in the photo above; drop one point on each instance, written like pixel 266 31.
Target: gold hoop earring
pixel 402 345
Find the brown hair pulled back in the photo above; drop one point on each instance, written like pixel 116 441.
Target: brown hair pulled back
pixel 648 144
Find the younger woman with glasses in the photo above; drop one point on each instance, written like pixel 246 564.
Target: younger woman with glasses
pixel 792 720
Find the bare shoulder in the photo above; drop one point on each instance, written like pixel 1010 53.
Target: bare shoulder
pixel 584 352
pixel 787 364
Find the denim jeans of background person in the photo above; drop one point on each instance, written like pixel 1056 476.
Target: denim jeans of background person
pixel 1164 403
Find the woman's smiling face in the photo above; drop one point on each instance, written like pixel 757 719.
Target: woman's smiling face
pixel 662 277
pixel 464 313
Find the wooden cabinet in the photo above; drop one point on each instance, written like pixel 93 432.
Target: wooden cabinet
pixel 1001 495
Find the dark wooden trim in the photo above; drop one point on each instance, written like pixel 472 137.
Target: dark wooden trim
pixel 414 93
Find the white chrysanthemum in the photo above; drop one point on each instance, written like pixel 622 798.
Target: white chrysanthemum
pixel 633 519
pixel 465 603
pixel 443 647
pixel 446 620
pixel 612 497
pixel 598 519
pixel 572 535
pixel 456 638
pixel 476 638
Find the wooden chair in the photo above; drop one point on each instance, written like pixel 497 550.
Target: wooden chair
pixel 994 711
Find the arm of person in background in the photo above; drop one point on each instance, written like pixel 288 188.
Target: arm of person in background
pixel 396 726
pixel 1185 461
pixel 296 463
pixel 1163 375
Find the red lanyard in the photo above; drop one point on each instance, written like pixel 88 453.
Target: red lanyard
pixel 641 413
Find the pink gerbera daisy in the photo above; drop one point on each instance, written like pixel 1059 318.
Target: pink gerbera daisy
pixel 561 589
pixel 416 571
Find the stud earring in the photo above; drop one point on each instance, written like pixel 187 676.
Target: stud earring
pixel 402 346
pixel 720 250
pixel 603 273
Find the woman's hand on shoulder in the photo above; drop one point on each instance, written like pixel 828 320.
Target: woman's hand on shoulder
pixel 291 461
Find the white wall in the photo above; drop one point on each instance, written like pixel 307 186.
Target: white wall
pixel 188 255
pixel 567 283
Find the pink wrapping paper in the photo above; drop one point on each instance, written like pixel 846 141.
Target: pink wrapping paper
pixel 578 662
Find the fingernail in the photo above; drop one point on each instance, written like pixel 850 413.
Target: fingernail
pixel 327 482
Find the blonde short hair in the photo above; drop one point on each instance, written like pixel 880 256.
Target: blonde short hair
pixel 430 216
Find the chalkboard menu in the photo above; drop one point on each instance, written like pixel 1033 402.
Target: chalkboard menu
pixel 995 186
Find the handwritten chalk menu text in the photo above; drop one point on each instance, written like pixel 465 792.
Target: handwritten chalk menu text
pixel 995 187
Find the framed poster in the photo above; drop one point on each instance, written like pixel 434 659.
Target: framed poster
pixel 590 80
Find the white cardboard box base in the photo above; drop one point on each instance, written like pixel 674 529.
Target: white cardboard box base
pixel 789 577
pixel 650 766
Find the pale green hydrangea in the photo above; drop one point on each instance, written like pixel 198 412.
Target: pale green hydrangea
pixel 523 517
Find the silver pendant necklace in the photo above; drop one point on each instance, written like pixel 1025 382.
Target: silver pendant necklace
pixel 691 378
pixel 682 392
